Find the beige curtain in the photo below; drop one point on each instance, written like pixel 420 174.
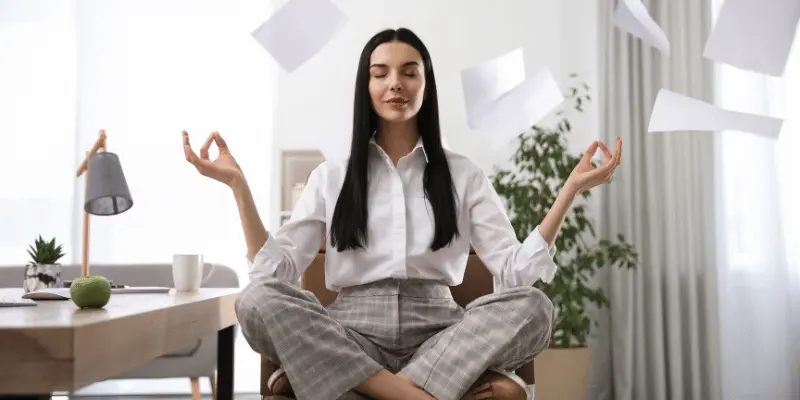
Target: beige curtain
pixel 658 338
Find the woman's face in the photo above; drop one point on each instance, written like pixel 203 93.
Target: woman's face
pixel 397 81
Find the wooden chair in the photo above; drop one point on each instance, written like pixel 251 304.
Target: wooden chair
pixel 477 282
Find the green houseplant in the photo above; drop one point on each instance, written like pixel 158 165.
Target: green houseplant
pixel 540 167
pixel 43 271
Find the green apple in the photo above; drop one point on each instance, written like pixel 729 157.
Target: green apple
pixel 90 292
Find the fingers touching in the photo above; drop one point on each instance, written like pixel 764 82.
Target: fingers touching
pixel 587 156
pixel 606 153
pixel 199 162
pixel 206 145
pixel 215 138
pixel 612 160
pixel 220 142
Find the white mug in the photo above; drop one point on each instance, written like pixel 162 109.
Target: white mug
pixel 187 272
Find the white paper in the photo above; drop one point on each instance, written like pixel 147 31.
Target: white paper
pixel 676 112
pixel 298 30
pixel 501 103
pixel 485 83
pixel 754 35
pixel 521 108
pixel 632 17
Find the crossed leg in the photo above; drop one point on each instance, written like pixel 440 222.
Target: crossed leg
pixel 322 359
pixel 502 330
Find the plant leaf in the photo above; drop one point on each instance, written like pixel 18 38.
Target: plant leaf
pixel 540 166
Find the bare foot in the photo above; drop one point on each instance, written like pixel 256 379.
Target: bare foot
pixel 388 386
pixel 495 386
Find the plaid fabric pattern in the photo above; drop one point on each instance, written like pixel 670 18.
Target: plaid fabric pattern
pixel 409 325
pixel 502 330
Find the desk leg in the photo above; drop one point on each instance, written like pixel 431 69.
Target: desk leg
pixel 225 341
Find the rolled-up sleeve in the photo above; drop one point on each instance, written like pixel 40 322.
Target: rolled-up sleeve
pixel 493 238
pixel 290 250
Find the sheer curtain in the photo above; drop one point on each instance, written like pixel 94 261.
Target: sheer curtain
pixel 657 338
pixel 759 191
pixel 143 71
pixel 37 124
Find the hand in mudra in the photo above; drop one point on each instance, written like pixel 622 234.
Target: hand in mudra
pixel 224 168
pixel 585 176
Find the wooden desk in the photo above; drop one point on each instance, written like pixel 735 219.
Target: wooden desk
pixel 55 346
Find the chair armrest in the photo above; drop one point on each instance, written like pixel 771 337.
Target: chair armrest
pixel 267 368
pixel 526 373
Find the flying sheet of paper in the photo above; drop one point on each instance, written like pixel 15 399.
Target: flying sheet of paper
pixel 485 83
pixel 632 17
pixel 501 103
pixel 676 112
pixel 298 30
pixel 754 35
pixel 521 108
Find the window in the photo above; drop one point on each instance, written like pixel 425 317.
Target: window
pixel 143 71
pixel 756 171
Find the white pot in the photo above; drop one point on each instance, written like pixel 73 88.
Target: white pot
pixel 41 276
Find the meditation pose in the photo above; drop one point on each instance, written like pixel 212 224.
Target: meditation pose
pixel 397 218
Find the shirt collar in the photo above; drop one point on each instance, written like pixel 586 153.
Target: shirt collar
pixel 420 146
pixel 417 147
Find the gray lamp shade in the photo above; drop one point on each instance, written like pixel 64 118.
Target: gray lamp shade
pixel 106 188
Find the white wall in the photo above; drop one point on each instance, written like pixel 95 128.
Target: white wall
pixel 578 21
pixel 579 55
pixel 316 98
pixel 37 95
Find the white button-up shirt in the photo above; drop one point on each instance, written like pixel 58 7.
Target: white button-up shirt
pixel 400 229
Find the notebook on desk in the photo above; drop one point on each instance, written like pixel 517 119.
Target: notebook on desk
pixel 63 293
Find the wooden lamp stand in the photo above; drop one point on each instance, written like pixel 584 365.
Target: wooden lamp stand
pixel 99 145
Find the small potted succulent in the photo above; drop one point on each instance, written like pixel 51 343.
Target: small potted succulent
pixel 43 271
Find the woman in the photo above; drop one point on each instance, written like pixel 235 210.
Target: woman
pixel 399 217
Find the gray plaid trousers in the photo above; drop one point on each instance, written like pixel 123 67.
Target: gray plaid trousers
pixel 412 326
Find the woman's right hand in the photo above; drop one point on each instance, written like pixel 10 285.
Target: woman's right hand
pixel 224 168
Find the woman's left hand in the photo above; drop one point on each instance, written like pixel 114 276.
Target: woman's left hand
pixel 585 176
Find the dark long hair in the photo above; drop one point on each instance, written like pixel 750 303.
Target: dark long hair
pixel 349 222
